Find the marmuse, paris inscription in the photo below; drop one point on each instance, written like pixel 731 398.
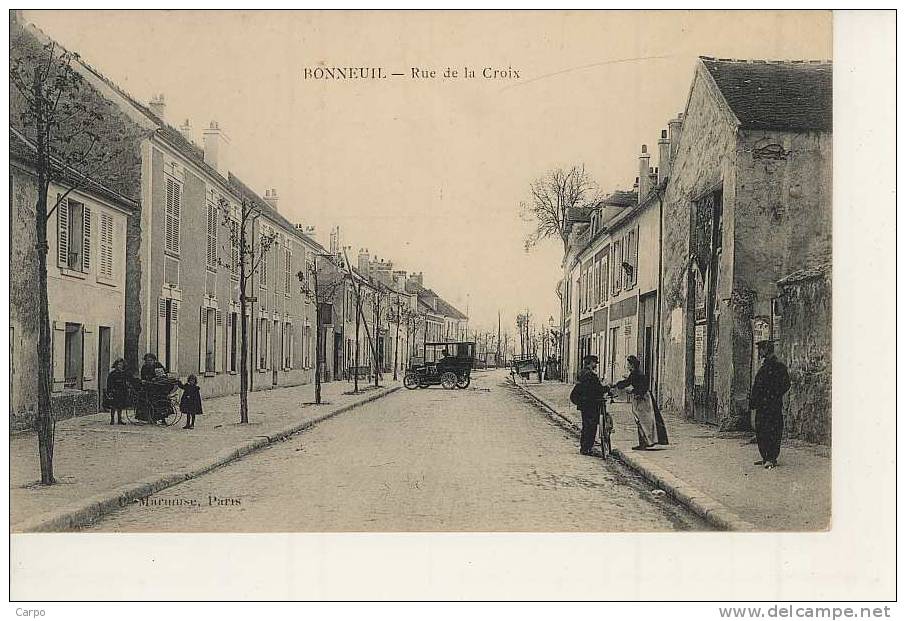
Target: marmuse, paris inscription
pixel 412 73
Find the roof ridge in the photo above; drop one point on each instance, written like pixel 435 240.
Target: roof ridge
pixel 770 61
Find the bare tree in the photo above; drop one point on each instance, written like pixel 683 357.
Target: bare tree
pixel 246 257
pixel 552 198
pixel 318 291
pixel 63 120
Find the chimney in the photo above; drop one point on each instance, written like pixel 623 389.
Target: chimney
pixel 216 148
pixel 644 179
pixel 186 130
pixel 418 279
pixel 270 197
pixel 675 129
pixel 635 186
pixel 663 156
pixel 364 261
pixel 159 106
pixel 335 240
pixel 399 279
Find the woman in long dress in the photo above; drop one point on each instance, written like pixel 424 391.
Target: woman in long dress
pixel 651 428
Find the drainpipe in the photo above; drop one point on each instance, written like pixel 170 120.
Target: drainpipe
pixel 660 289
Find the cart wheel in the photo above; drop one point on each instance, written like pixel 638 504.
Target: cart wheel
pixel 448 380
pixel 410 381
pixel 464 381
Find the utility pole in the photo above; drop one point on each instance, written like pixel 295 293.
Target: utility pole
pixel 497 358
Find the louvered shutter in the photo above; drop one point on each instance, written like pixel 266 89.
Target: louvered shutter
pixel 162 330
pixel 174 337
pixel 89 354
pixel 172 216
pixel 105 247
pixel 63 232
pixel 634 256
pixel 212 236
pixel 58 346
pixel 202 349
pixel 86 239
pixel 218 342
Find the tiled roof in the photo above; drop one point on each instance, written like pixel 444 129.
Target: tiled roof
pixel 22 150
pixel 448 310
pixel 620 198
pixel 579 214
pixel 784 95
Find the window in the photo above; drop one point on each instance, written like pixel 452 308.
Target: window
pixel 287 268
pixel 234 248
pixel 632 257
pixel 605 273
pixel 617 267
pixel 209 330
pixel 174 198
pixel 287 345
pixel 105 258
pixel 306 347
pixel 264 340
pixel 73 359
pixel 74 235
pixel 262 264
pixel 211 250
pixel 234 342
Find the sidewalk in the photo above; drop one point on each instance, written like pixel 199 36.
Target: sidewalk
pixel 708 464
pixel 93 459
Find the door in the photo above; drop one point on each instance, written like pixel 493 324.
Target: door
pixel 645 347
pixel 705 274
pixel 103 362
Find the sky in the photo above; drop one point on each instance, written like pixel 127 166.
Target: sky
pixel 430 173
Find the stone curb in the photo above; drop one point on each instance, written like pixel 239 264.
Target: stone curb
pixel 707 508
pixel 94 507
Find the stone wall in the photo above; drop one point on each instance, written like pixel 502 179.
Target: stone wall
pixel 804 345
pixel 704 160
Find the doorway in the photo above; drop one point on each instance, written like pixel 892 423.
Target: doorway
pixel 103 362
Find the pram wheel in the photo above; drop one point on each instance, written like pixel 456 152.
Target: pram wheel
pixel 149 409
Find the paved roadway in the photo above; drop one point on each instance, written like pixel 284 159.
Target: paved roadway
pixel 481 459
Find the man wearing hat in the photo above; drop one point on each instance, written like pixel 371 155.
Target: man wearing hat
pixel 771 382
pixel 587 395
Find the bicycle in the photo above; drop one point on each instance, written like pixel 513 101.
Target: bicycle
pixel 151 407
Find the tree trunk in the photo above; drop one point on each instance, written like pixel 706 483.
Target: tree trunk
pixel 396 341
pixel 355 370
pixel 244 338
pixel 45 421
pixel 317 337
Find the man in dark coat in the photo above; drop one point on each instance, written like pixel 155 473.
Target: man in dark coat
pixel 587 395
pixel 771 382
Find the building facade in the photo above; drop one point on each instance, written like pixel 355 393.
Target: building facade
pixel 86 283
pixel 748 203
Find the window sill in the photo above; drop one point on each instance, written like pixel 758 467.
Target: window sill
pixel 233 372
pixel 209 374
pixel 65 271
pixel 171 254
pixel 109 282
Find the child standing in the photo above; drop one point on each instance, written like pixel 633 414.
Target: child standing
pixel 190 404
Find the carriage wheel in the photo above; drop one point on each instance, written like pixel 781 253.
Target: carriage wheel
pixel 448 380
pixel 411 381
pixel 174 416
pixel 463 381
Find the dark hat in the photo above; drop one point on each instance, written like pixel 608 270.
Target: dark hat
pixel 765 346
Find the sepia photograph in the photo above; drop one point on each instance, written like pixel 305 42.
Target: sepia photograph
pixel 421 272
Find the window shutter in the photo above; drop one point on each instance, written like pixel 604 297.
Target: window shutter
pixel 86 239
pixel 161 328
pixel 89 354
pixel 172 216
pixel 218 342
pixel 63 232
pixel 59 355
pixel 202 322
pixel 105 254
pixel 634 256
pixel 212 236
pixel 174 337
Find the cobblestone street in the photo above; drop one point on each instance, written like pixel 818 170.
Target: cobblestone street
pixel 483 459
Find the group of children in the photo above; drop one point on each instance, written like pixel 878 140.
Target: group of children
pixel 153 374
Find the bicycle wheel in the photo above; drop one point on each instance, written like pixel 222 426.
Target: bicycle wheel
pixel 173 414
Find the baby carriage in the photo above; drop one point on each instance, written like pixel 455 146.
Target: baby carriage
pixel 155 401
